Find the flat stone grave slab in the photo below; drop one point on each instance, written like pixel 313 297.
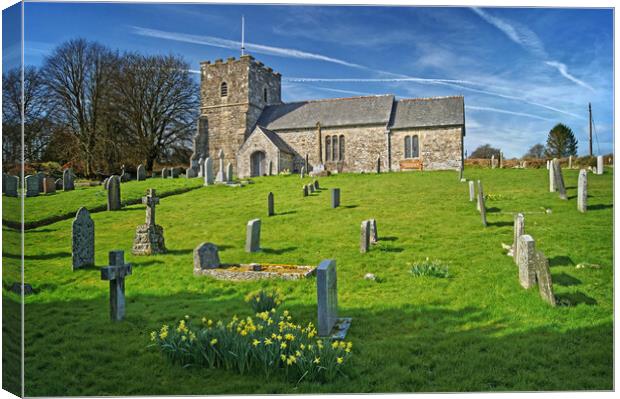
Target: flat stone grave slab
pixel 257 271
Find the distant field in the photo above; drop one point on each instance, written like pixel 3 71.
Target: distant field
pixel 477 330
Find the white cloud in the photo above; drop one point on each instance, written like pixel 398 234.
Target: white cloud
pixel 564 71
pixel 505 111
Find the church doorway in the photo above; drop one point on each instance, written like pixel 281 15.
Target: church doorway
pixel 257 164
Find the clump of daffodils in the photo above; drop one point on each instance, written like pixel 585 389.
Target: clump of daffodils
pixel 270 342
pixel 263 300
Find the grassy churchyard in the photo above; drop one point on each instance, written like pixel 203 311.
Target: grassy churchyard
pixel 475 330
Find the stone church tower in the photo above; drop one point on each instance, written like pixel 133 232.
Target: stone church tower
pixel 233 95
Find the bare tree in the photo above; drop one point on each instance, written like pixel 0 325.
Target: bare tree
pixel 485 151
pixel 158 104
pixel 537 151
pixel 78 76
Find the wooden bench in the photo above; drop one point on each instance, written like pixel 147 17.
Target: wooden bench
pixel 410 164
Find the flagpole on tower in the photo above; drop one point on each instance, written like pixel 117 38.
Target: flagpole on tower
pixel 242 35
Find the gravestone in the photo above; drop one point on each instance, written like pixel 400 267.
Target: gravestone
pixel 252 236
pixel 201 167
pixel 518 230
pixel 543 276
pixel 114 193
pixel 501 160
pixel 49 185
pixel 374 238
pixel 552 181
pixel 307 163
pixel 526 250
pixel 570 162
pixel 164 172
pixel 190 173
pixel 12 182
pixel 221 174
pixel 335 197
pixel 378 165
pixel 115 273
pixel 83 239
pixel 548 164
pixel 472 191
pixel 311 188
pixel 149 238
pixel 582 191
pixel 229 172
pixel 481 206
pixel 67 180
pixel 305 190
pixel 58 183
pixel 328 322
pixel 41 177
pixel 207 169
pixel 303 170
pixel 270 211
pixel 206 257
pixel 492 161
pixel 174 173
pixel 599 165
pixel 559 179
pixel 32 186
pixel 140 173
pixel 270 168
pixel 365 236
pixel 316 184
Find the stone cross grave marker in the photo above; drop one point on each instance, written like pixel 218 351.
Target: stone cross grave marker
pixel 207 169
pixel 115 273
pixel 481 206
pixel 149 237
pixel 83 242
pixel 472 191
pixel 32 186
pixel 518 230
pixel 559 179
pixel 335 197
pixel 140 173
pixel 552 187
pixel 329 324
pixel 206 256
pixel 365 236
pixel 526 250
pixel 67 180
pixel 270 211
pixel 543 276
pixel 221 174
pixel 229 172
pixel 12 182
pixel 374 238
pixel 599 165
pixel 252 236
pixel 114 193
pixel 582 191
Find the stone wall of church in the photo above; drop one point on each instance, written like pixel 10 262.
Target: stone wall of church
pixel 439 148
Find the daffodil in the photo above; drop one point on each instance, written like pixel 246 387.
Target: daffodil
pixel 268 342
pixel 289 337
pixel 283 357
pixel 334 344
pixel 317 360
pixel 339 360
pixel 255 342
pixel 183 338
pixel 283 345
pixel 213 341
pixel 302 346
pixel 153 335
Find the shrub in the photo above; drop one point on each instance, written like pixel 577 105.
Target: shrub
pixel 263 300
pixel 271 342
pixel 430 269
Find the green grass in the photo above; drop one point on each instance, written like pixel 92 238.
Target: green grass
pixel 475 331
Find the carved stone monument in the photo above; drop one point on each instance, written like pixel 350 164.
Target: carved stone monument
pixel 149 238
pixel 115 274
pixel 329 324
pixel 83 239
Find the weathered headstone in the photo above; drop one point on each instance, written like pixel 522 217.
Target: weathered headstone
pixel 365 236
pixel 483 211
pixel 174 173
pixel 501 160
pixel 140 173
pixel 270 211
pixel 374 237
pixel 517 231
pixel 207 169
pixel 570 162
pixel 335 197
pixel 114 193
pixel 201 167
pixel 58 183
pixel 12 182
pixel 303 170
pixel 4 177
pixel 67 180
pixel 543 276
pixel 206 257
pixel 552 181
pixel 559 179
pixel 32 186
pixel 115 273
pixel 252 236
pixel 316 184
pixel 378 165
pixel 190 173
pixel 599 165
pixel 472 191
pixel 229 172
pixel 41 177
pixel 49 185
pixel 526 250
pixel 164 172
pixel 149 238
pixel 582 191
pixel 221 173
pixel 83 239
pixel 492 161
pixel 304 190
pixel 548 163
pixel 270 168
pixel 328 322
pixel 311 188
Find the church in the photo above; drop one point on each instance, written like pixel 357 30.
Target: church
pixel 242 114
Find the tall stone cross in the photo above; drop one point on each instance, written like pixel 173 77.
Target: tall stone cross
pixel 150 201
pixel 115 274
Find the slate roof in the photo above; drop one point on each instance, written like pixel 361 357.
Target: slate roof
pixel 368 110
pixel 423 112
pixel 276 140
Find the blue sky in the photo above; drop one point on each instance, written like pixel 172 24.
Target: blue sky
pixel 521 70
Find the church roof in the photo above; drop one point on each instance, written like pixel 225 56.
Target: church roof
pixel 367 110
pixel 350 111
pixel 423 112
pixel 276 140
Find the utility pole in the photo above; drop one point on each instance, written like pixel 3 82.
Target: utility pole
pixel 590 113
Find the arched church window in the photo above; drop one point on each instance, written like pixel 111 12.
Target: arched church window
pixel 334 148
pixel 224 89
pixel 328 153
pixel 407 146
pixel 415 148
pixel 341 148
pixel 265 94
